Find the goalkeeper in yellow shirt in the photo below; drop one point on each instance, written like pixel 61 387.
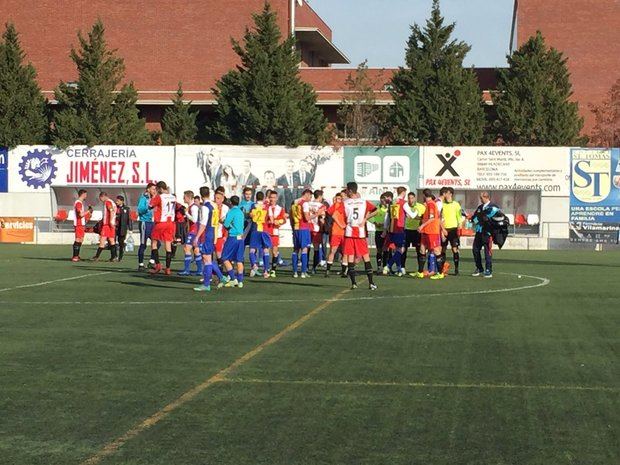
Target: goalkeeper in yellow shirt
pixel 451 221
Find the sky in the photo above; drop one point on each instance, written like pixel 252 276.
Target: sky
pixel 378 30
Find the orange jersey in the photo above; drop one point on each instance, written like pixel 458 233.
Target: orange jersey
pixel 432 216
pixel 336 211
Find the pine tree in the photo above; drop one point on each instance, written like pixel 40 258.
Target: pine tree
pixel 179 122
pixel 358 112
pixel 606 132
pixel 90 111
pixel 533 98
pixel 264 101
pixel 23 113
pixel 436 100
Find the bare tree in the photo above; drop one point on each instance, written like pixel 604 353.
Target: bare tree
pixel 606 132
pixel 358 112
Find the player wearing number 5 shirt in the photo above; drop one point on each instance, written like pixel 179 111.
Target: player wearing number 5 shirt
pixel 357 211
pixel 163 206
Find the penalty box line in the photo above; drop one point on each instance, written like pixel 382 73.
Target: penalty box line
pixel 44 283
pixel 506 386
pixel 112 447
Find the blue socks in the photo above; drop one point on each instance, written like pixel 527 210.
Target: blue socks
pixel 304 262
pixel 253 259
pixel 216 269
pixel 141 250
pixel 432 263
pixel 266 262
pixel 295 261
pixel 199 265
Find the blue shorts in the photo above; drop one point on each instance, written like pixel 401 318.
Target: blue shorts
pixel 190 239
pixel 398 239
pixel 260 240
pixel 301 239
pixel 207 247
pixel 233 249
pixel 145 227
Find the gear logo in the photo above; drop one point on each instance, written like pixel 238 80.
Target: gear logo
pixel 38 168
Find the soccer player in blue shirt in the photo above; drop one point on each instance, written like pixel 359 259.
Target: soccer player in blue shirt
pixel 145 222
pixel 235 243
pixel 205 238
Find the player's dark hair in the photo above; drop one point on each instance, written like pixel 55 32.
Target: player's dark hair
pixel 103 194
pixel 451 190
pixel 352 187
pixel 389 195
pixel 443 190
pixel 260 196
pixel 82 191
pixel 318 193
pixel 412 194
pixel 162 185
pixel 220 189
pixel 306 192
pixel 338 195
pixel 196 197
pixel 205 192
pixel 428 194
pixel 234 200
pixel 150 184
pixel 120 197
pixel 247 189
pixel 401 189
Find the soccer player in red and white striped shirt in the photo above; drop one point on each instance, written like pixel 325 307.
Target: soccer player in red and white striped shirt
pixel 164 208
pixel 357 212
pixel 108 228
pixel 79 223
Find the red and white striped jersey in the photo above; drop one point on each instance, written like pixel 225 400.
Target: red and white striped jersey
pixel 164 208
pixel 276 217
pixel 192 214
pixel 109 213
pixel 355 211
pixel 222 212
pixel 313 207
pixel 78 209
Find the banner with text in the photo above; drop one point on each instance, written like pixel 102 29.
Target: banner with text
pixel 595 195
pixel 287 170
pixel 16 229
pixel 545 169
pixel 4 169
pixel 36 168
pixel 379 169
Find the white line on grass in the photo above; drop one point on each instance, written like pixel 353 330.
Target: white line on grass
pixel 312 382
pixel 44 283
pixel 113 446
pixel 541 283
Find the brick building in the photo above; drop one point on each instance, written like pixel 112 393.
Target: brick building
pixel 587 32
pixel 191 43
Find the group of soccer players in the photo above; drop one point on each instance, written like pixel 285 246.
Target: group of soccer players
pixel 216 230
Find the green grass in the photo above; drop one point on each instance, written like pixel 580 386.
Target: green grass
pixel 520 377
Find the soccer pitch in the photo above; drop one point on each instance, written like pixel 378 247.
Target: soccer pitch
pixel 102 364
